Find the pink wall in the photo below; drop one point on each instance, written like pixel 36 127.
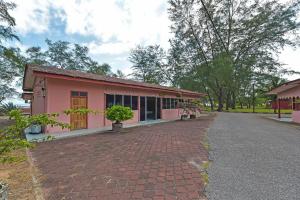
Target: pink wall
pixel 294 92
pixel 38 102
pixel 170 114
pixel 59 99
pixel 58 94
pixel 296 116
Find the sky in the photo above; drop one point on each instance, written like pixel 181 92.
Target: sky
pixel 110 28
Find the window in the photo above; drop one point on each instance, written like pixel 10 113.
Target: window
pixel 78 94
pixel 119 100
pixel 176 103
pixel 170 103
pixel 127 101
pixel 134 105
pixel 173 106
pixel 83 94
pixel 74 94
pixel 110 100
pixel 164 103
pixel 123 100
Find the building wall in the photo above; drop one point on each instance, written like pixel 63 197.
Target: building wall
pixel 38 101
pixel 59 99
pixel 294 92
pixel 59 94
pixel 296 116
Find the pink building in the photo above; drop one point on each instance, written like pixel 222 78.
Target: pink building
pixel 53 90
pixel 289 91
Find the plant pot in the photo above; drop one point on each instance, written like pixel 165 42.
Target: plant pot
pixel 3 191
pixel 184 117
pixel 36 129
pixel 116 127
pixel 192 116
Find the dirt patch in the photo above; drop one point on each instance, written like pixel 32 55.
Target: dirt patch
pixel 5 121
pixel 19 179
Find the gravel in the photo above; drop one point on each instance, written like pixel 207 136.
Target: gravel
pixel 253 158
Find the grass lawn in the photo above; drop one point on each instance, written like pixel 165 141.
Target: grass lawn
pixel 258 110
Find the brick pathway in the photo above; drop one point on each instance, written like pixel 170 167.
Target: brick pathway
pixel 150 162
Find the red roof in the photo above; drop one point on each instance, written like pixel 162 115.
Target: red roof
pixel 89 76
pixel 285 86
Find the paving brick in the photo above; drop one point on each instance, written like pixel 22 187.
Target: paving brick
pixel 150 162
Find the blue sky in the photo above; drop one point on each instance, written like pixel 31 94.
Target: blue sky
pixel 110 28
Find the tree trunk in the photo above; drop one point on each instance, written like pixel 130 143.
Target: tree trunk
pixel 210 101
pixel 220 100
pixel 227 101
pixel 233 103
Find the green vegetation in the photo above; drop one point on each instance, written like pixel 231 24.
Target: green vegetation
pixel 12 137
pixel 204 175
pixel 118 113
pixel 258 110
pixel 226 49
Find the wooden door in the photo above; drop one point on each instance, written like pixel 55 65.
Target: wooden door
pixel 78 121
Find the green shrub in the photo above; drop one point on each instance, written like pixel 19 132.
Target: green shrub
pixel 118 113
pixel 12 137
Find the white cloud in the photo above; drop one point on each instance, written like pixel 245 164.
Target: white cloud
pixel 109 48
pixel 117 25
pixel 290 57
pixel 127 22
pixel 32 16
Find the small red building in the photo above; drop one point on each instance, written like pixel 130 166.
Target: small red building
pixel 53 90
pixel 288 92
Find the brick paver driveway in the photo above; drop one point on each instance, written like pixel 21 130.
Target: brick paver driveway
pixel 150 162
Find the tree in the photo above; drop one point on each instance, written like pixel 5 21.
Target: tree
pixel 227 42
pixel 65 55
pixel 7 107
pixel 36 56
pixel 59 54
pixel 148 63
pixel 119 74
pixel 7 58
pixel 7 23
pixel 104 69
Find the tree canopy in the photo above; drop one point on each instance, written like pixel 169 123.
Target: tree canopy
pixel 222 48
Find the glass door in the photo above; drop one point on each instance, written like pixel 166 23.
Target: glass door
pixel 151 108
pixel 158 108
pixel 142 108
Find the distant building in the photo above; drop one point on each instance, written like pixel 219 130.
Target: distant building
pixel 288 92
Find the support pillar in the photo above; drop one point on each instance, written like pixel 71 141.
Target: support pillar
pixel 293 104
pixel 279 109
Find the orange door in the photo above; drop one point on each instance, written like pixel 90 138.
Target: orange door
pixel 78 121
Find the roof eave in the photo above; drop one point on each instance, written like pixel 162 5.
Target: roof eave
pixel 35 72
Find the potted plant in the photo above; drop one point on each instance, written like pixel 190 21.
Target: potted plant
pixel 185 110
pixel 3 191
pixel 117 114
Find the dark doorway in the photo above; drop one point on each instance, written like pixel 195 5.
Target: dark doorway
pixel 142 108
pixel 151 107
pixel 158 108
